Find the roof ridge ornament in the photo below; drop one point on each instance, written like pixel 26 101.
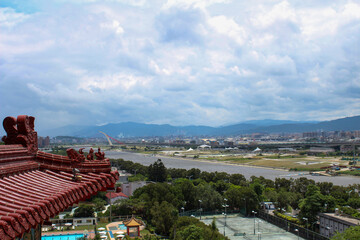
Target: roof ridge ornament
pixel 80 156
pixel 21 131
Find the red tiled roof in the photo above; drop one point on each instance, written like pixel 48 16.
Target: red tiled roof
pixel 36 186
pixel 115 195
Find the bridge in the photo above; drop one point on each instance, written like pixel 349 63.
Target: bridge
pixel 109 137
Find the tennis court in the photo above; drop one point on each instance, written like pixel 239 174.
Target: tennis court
pixel 238 227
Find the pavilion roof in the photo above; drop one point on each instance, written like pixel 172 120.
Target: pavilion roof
pixel 115 195
pixel 133 222
pixel 36 186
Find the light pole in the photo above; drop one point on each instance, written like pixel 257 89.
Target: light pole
pixel 200 201
pixel 183 209
pixel 225 206
pixel 307 230
pixel 297 230
pixel 254 220
pixel 245 206
pixel 259 221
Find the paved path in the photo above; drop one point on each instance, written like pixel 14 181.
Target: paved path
pixel 212 166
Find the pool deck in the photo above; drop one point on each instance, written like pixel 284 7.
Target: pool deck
pixel 111 226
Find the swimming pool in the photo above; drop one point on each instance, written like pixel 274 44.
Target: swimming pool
pixel 62 237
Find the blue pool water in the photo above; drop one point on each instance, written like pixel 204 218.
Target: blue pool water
pixel 121 227
pixel 62 237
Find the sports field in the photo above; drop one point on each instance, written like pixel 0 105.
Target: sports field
pixel 238 227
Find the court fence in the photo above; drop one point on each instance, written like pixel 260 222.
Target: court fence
pixel 290 227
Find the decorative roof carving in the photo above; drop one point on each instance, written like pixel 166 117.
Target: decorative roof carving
pixel 21 131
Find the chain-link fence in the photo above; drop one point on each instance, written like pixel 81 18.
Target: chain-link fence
pixel 291 227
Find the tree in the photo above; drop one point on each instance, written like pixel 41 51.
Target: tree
pixel 163 216
pixel 312 204
pixel 271 195
pixel 191 232
pixel 158 192
pixel 84 210
pixel 258 189
pixel 233 195
pixel 207 231
pixel 300 185
pixel 238 179
pixel 239 197
pixel 351 233
pixel 210 198
pixel 99 204
pixel 157 171
pixel 354 202
pixel 283 199
pixel 188 190
pixel 282 183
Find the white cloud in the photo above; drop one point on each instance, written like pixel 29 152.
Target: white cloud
pixel 229 27
pixel 180 62
pixel 9 18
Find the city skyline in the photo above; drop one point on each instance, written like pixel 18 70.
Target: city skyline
pixel 182 63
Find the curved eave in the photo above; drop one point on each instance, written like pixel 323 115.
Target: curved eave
pixel 30 198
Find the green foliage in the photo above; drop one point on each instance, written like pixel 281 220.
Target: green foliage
pixel 84 210
pixel 99 204
pixel 353 173
pixel 300 185
pixel 288 218
pixel 163 216
pixel 190 186
pixel 258 189
pixel 192 228
pixel 211 199
pixel 137 177
pixel 354 202
pixel 270 195
pixel 239 197
pixel 157 171
pixel 188 191
pixel 282 183
pixel 312 204
pixel 158 192
pixel 190 232
pixel 238 179
pixel 325 187
pixel 351 233
pixel 350 211
pixel 101 195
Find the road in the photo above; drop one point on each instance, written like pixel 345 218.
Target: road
pixel 212 166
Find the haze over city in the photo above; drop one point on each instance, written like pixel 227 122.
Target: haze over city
pixel 179 62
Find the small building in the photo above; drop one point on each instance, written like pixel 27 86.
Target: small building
pixel 129 188
pixel 115 196
pixel 321 150
pixel 84 221
pixel 204 146
pixel 330 223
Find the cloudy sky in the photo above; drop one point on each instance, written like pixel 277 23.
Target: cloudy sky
pixel 180 62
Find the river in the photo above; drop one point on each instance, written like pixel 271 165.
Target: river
pixel 212 166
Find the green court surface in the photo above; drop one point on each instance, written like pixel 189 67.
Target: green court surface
pixel 238 228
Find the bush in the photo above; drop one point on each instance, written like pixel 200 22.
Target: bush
pixel 286 217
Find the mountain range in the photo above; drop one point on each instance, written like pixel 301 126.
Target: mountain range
pixel 132 129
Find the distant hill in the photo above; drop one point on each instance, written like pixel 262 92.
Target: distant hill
pixel 342 124
pixel 131 129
